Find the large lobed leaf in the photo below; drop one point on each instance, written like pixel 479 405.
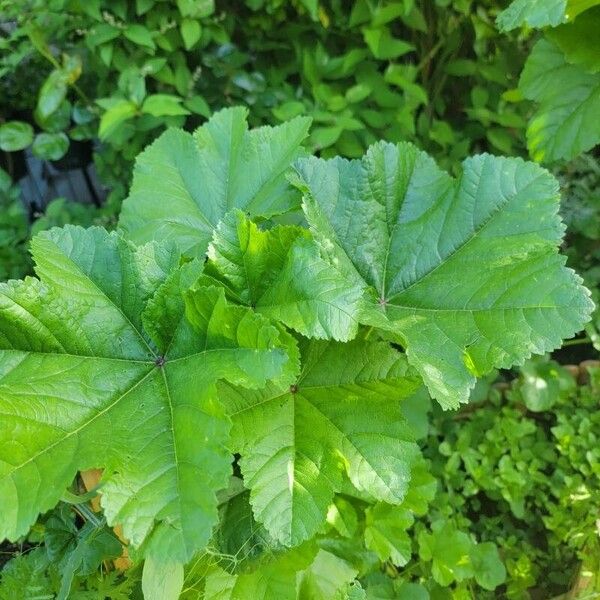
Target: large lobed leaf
pixel 342 415
pixel 465 272
pixel 183 185
pixel 93 374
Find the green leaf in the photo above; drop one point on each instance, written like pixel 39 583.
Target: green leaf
pixel 276 579
pixel 77 551
pixel 239 539
pixel 444 261
pixel 576 7
pixel 416 411
pixel 15 135
pixel 162 580
pixel 449 551
pixel 190 32
pixel 196 8
pixel 87 380
pixel 327 577
pixel 543 384
pixel 566 121
pixel 281 275
pixel 579 41
pixel 27 576
pixel 533 13
pixel 340 416
pixel 342 517
pixel 386 533
pixel 412 591
pixel 198 105
pixel 202 177
pixel 422 490
pixel 140 35
pixel 489 569
pixel 162 105
pixel 383 45
pixel 117 114
pixel 50 146
pixel 52 93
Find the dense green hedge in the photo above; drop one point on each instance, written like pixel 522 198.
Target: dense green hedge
pixel 437 72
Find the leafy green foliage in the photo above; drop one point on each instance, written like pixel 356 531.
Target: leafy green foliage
pixel 442 260
pixel 569 100
pixel 52 338
pixel 125 71
pixel 298 441
pixel 516 479
pixel 249 388
pixel 580 181
pixel 70 564
pixel 527 480
pixel 15 135
pixel 561 76
pixel 221 167
pixel 281 275
pixel 77 551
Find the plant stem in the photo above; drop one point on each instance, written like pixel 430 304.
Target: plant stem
pixel 578 341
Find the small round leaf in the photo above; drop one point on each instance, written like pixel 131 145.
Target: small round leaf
pixel 50 146
pixel 15 135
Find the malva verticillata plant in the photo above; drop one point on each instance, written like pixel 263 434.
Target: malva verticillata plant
pixel 203 343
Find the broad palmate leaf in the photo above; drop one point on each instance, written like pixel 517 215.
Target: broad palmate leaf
pixel 100 368
pixel 281 275
pixel 566 121
pixel 466 272
pixel 183 185
pixel 342 415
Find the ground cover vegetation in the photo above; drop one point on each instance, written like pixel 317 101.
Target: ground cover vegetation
pixel 311 344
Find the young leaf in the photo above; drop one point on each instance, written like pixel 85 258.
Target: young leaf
pixel 77 551
pixel 465 272
pixel 341 415
pixel 183 185
pixel 83 384
pixel 566 122
pixel 280 274
pixel 119 112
